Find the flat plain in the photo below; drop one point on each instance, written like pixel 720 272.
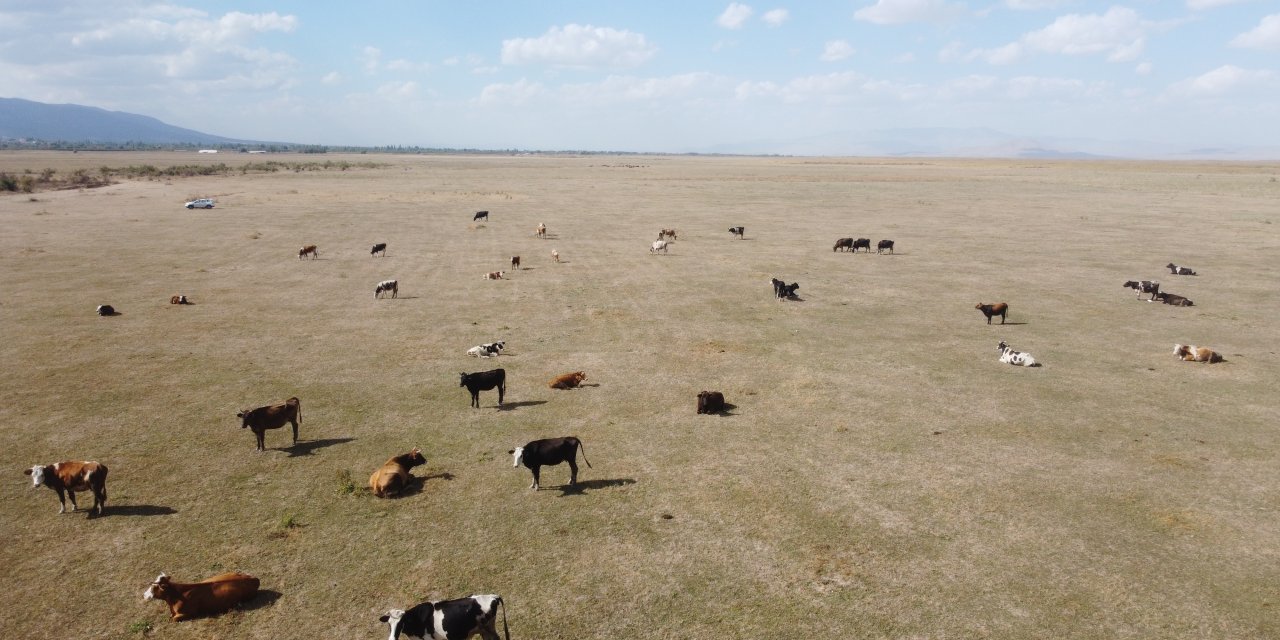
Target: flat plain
pixel 880 475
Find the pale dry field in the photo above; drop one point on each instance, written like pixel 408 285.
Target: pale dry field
pixel 882 474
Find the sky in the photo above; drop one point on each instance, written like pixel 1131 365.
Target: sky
pixel 657 75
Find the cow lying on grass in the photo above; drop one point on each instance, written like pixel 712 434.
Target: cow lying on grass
pixel 205 598
pixel 548 453
pixel 393 476
pixel 178 299
pixel 1173 299
pixel 782 290
pixel 71 476
pixel 449 619
pixel 1179 271
pixel 487 350
pixel 567 380
pixel 710 402
pixel 1192 353
pixel 1016 358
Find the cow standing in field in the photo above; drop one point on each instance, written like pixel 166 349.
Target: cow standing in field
pixel 394 475
pixel 658 245
pixel 205 598
pixel 71 476
pixel 782 290
pixel 864 243
pixel 380 248
pixel 567 380
pixel 541 231
pixel 308 250
pixel 515 263
pixel 480 215
pixel 843 243
pixel 484 381
pixel 1144 286
pixel 387 286
pixel 740 232
pixel 272 417
pixel 549 453
pixel 555 255
pixel 667 233
pixel 449 619
pixel 883 245
pixel 997 309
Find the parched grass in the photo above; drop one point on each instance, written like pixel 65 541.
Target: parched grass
pixel 880 475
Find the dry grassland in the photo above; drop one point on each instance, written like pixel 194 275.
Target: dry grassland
pixel 882 475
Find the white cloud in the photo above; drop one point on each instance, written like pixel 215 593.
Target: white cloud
pixel 734 16
pixel 1200 5
pixel 1119 33
pixel 616 89
pixel 836 50
pixel 1223 80
pixel 580 46
pixel 510 94
pixel 905 58
pixel 776 17
pixel 1032 5
pixel 1144 68
pixel 1265 36
pixel 400 64
pixel 801 89
pixel 398 90
pixel 332 78
pixel 370 57
pixel 1008 54
pixel 907 11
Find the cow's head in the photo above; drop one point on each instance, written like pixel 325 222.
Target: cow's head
pixel 158 589
pixel 244 418
pixel 416 458
pixel 393 618
pixel 1179 350
pixel 464 380
pixel 37 475
pixel 580 376
pixel 516 454
pixel 1002 346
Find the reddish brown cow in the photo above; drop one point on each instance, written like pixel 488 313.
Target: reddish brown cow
pixel 393 476
pixel 308 250
pixel 272 417
pixel 568 380
pixel 204 598
pixel 69 477
pixel 997 309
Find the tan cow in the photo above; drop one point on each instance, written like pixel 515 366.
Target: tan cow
pixel 541 231
pixel 393 476
pixel 568 380
pixel 555 255
pixel 204 598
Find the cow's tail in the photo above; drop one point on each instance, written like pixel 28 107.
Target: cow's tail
pixel 297 403
pixel 583 449
pixel 506 632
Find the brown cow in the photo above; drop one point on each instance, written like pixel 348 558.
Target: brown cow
pixel 997 309
pixel 568 380
pixel 667 233
pixel 1192 353
pixel 204 598
pixel 69 477
pixel 393 476
pixel 272 417
pixel 309 249
pixel 178 299
pixel 494 275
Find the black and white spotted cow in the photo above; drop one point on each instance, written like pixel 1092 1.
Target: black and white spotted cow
pixel 738 231
pixel 1180 271
pixel 106 310
pixel 487 350
pixel 1016 358
pixel 387 286
pixel 381 247
pixel 480 215
pixel 1144 286
pixel 449 619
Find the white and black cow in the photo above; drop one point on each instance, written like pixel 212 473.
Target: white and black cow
pixel 1144 286
pixel 739 231
pixel 387 286
pixel 487 350
pixel 1180 271
pixel 106 310
pixel 1017 358
pixel 449 619
pixel 480 215
pixel 548 453
pixel 381 247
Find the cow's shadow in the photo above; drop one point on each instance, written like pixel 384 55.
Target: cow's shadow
pixel 1012 324
pixel 307 447
pixel 726 411
pixel 140 510
pixel 582 487
pixel 418 483
pixel 523 403
pixel 265 598
pixel 794 298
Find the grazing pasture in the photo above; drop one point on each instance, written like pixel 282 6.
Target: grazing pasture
pixel 881 474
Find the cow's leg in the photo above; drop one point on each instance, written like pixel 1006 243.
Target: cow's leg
pixel 1002 318
pixel 537 472
pixel 475 399
pixel 294 422
pixel 100 499
pixel 573 468
pixel 71 494
pixel 487 632
pixel 261 436
pixel 502 390
pixel 62 501
pixel 988 319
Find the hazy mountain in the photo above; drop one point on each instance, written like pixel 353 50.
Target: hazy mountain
pixel 24 119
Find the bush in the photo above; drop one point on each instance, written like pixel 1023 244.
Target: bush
pixel 346 484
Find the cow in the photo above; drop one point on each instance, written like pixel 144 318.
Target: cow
pixel 738 231
pixel 308 250
pixel 667 233
pixel 480 215
pixel 393 476
pixel 541 231
pixel 449 619
pixel 71 476
pixel 1173 299
pixel 1144 286
pixel 488 349
pixel 567 380
pixel 843 243
pixel 997 309
pixel 710 402
pixel 387 286
pixel 658 245
pixel 484 381
pixel 1018 358
pixel 1192 353
pixel 1180 271
pixel 494 275
pixel 272 416
pixel 555 255
pixel 782 290
pixel 381 247
pixel 549 453
pixel 178 299
pixel 205 598
pixel 865 243
pixel 884 244
pixel 106 310
pixel 515 263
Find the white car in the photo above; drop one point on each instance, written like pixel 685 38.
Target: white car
pixel 201 203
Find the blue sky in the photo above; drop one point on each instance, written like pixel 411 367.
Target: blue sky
pixel 658 76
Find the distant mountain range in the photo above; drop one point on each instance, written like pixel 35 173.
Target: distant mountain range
pixel 27 120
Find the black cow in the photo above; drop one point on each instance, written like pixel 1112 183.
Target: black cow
pixel 865 243
pixel 106 310
pixel 480 215
pixel 381 247
pixel 484 381
pixel 548 453
pixel 1174 299
pixel 884 244
pixel 449 619
pixel 272 417
pixel 710 402
pixel 1144 286
pixel 738 231
pixel 843 243
pixel 783 290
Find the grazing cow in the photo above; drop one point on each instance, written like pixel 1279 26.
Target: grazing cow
pixel 710 402
pixel 393 476
pixel 205 598
pixel 515 263
pixel 449 619
pixel 480 215
pixel 541 231
pixel 1192 353
pixel 484 381
pixel 658 245
pixel 549 453
pixel 178 299
pixel 997 309
pixel 865 243
pixel 106 310
pixel 69 477
pixel 308 250
pixel 381 247
pixel 884 244
pixel 843 243
pixel 568 380
pixel 272 416
pixel 494 275
pixel 739 231
pixel 488 349
pixel 1144 286
pixel 387 286
pixel 1180 271
pixel 1173 299
pixel 1018 358
pixel 555 255
pixel 667 233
